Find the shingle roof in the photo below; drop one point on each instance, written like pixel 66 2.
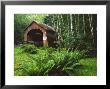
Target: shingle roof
pixel 44 26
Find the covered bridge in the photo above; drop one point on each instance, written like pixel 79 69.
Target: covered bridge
pixel 40 34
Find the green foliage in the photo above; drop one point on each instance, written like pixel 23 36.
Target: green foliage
pixel 29 48
pixel 46 61
pixel 86 67
pixel 74 30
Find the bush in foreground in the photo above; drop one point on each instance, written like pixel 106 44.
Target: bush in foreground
pixel 33 61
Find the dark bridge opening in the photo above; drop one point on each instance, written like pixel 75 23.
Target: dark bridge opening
pixel 35 36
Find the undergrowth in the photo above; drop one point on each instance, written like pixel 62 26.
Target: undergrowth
pixel 30 60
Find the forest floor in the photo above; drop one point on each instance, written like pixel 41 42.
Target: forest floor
pixel 25 64
pixel 88 67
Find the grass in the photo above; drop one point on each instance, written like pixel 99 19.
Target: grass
pixel 87 67
pixel 44 60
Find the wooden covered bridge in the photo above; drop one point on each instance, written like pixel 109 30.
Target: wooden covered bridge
pixel 40 34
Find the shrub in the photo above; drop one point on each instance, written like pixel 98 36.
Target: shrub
pixel 49 61
pixel 29 48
